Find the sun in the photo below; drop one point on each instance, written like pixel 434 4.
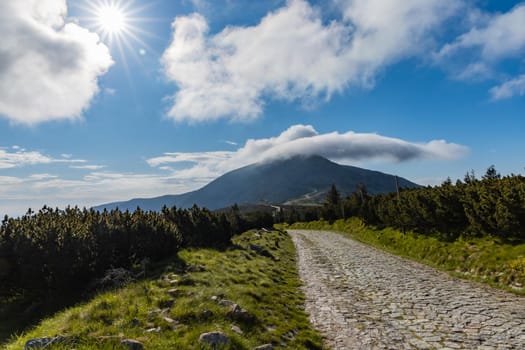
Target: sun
pixel 111 19
pixel 119 25
pixel 114 20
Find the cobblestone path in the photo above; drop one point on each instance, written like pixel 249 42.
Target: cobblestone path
pixel 361 298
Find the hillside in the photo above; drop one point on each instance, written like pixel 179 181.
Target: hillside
pixel 248 292
pixel 298 179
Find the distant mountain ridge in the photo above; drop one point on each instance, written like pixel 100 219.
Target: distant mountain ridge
pixel 276 182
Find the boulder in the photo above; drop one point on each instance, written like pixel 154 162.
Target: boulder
pixel 214 338
pixel 173 292
pixel 238 313
pixel 153 330
pixel 132 344
pixel 40 343
pixel 264 347
pixel 225 302
pixel 237 329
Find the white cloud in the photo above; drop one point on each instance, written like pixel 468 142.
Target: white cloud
pixel 292 55
pixel 476 54
pixel 501 36
pixel 48 67
pixel 182 172
pixel 42 177
pixel 510 88
pixel 17 194
pixel 87 167
pixel 194 157
pixel 22 157
pixel 297 140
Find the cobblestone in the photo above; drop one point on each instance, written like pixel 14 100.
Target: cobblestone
pixel 359 297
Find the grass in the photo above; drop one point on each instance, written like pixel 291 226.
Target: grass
pixel 487 260
pixel 176 304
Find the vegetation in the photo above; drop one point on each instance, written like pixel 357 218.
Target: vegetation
pixel 181 297
pixel 491 206
pixel 51 257
pixel 484 259
pixel 474 228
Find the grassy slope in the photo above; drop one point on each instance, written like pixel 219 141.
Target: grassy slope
pixel 485 260
pixel 267 288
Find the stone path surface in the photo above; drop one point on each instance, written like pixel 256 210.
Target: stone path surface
pixel 361 298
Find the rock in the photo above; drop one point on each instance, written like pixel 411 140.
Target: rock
pixel 132 344
pixel 225 302
pixel 173 292
pixel 134 322
pixel 40 343
pixel 235 309
pixel 153 330
pixel 165 311
pixel 214 338
pixel 238 313
pixel 264 347
pixel 154 311
pixel 171 322
pixel 237 330
pixel 214 298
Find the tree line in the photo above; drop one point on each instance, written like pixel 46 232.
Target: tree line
pixel 492 205
pixel 48 252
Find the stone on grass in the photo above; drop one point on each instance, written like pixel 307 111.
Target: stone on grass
pixel 237 329
pixel 154 311
pixel 173 292
pixel 238 313
pixel 173 323
pixel 264 347
pixel 225 302
pixel 214 338
pixel 132 344
pixel 40 343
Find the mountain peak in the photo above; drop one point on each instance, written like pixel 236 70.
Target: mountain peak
pixel 276 181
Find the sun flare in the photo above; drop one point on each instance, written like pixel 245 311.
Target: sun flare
pixel 119 25
pixel 111 19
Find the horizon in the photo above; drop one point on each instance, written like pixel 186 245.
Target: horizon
pixel 138 99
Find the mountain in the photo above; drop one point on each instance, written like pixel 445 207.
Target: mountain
pixel 294 180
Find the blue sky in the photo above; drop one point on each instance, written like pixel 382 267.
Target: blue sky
pixel 171 94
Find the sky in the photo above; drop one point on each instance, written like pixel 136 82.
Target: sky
pixel 107 100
